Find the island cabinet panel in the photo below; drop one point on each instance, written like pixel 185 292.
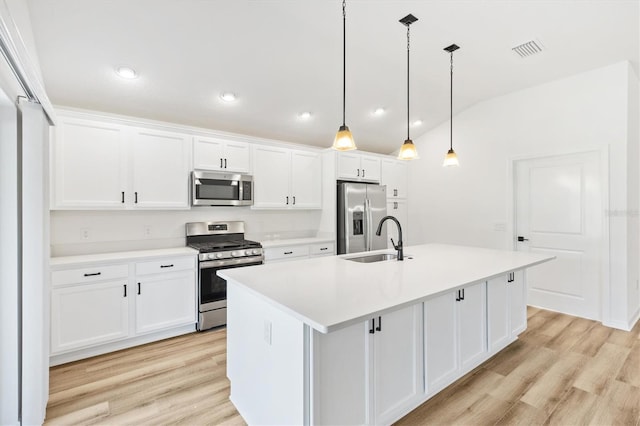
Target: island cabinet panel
pixel 455 334
pixel 506 309
pixel 369 373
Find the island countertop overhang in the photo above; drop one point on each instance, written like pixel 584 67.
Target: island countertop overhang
pixel 332 292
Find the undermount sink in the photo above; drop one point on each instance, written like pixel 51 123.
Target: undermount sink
pixel 370 258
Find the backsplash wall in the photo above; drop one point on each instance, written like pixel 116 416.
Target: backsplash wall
pixel 89 232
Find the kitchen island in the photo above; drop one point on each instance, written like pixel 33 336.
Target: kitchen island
pixel 335 341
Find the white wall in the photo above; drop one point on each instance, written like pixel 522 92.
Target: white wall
pixel 470 204
pixel 633 166
pixel 125 230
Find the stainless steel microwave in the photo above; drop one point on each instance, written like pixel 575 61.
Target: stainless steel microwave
pixel 221 189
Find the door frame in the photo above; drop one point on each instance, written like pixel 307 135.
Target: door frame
pixel 603 155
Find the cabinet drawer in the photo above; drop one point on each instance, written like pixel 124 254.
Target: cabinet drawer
pixel 89 274
pixel 321 249
pixel 283 253
pixel 169 264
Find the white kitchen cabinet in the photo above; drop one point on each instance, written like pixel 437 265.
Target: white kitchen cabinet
pixel 295 250
pixel 221 155
pixel 379 359
pixel 102 165
pixel 455 334
pixel 173 291
pixel 99 307
pixel 356 166
pixel 394 174
pixel 89 306
pixel 89 161
pixel 160 169
pixel 506 309
pixel 397 209
pixel 286 179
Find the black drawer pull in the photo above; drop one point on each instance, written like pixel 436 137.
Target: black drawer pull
pixel 123 196
pixel 136 197
pixel 288 252
pixel 125 290
pixel 93 274
pixel 138 288
pixel 167 266
pixel 324 248
pixel 225 163
pixel 287 200
pixel 379 327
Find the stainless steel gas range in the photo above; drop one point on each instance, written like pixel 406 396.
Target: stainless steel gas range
pixel 221 245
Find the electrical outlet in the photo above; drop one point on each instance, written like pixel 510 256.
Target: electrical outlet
pixel 85 234
pixel 267 332
pixel 147 231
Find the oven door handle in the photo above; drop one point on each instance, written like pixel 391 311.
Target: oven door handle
pixel 242 261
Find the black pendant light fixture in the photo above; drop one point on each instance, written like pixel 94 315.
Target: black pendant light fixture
pixel 451 159
pixel 344 139
pixel 408 150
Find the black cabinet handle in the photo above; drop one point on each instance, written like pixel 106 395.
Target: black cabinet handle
pixel 379 327
pixel 125 290
pixel 324 248
pixel 167 266
pixel 510 277
pixel 138 288
pixel 136 197
pixel 462 298
pixel 395 205
pixel 362 172
pixel 395 192
pixel 358 172
pixel 294 200
pixel 225 163
pixel 287 200
pixel 288 252
pixel 373 325
pixel 458 297
pixel 123 197
pixel 521 239
pixel 221 163
pixel 92 275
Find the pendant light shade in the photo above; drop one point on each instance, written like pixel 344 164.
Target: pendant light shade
pixel 408 150
pixel 344 139
pixel 451 159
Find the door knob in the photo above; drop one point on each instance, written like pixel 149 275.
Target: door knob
pixel 522 238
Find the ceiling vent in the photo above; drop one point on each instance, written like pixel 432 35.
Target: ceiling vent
pixel 528 49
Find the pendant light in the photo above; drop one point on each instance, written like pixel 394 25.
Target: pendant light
pixel 408 150
pixel 451 158
pixel 344 139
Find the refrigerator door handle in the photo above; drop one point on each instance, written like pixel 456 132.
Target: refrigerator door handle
pixel 366 225
pixel 369 224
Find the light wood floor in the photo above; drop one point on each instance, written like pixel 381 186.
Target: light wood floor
pixel 562 371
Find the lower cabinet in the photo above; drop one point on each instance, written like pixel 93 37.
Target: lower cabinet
pixel 455 334
pixel 380 359
pixel 99 307
pixel 507 309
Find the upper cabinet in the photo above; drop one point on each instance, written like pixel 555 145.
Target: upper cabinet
pixel 286 179
pixel 395 177
pixel 221 155
pixel 102 165
pixel 358 167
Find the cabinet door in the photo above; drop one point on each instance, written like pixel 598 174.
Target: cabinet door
pixel 370 167
pixel 397 209
pixel 89 314
pixel 89 165
pixel 165 300
pixel 306 180
pixel 498 313
pixel 441 341
pixel 388 177
pixel 397 362
pixel 208 154
pixel 160 169
pixel 349 166
pixel 472 325
pixel 237 156
pixel 271 170
pixel 517 303
pixel 340 376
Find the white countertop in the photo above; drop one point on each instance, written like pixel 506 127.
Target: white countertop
pixel 330 292
pixel 120 256
pixel 294 241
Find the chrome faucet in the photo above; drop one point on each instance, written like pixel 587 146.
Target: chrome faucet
pixel 399 245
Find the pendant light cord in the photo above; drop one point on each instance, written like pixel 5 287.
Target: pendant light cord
pixel 451 105
pixel 344 61
pixel 408 46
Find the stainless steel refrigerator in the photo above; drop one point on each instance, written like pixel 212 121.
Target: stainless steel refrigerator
pixel 361 206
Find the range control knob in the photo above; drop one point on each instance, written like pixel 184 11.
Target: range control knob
pixel 255 251
pixel 219 256
pixel 247 252
pixel 236 254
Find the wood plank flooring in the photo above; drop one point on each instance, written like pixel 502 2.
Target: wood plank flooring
pixel 562 371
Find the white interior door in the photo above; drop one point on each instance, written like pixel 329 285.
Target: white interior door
pixel 559 212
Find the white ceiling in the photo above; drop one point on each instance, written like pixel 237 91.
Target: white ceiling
pixel 282 57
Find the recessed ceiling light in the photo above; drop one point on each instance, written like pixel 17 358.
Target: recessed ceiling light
pixel 417 123
pixel 127 72
pixel 228 96
pixel 379 111
pixel 305 115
